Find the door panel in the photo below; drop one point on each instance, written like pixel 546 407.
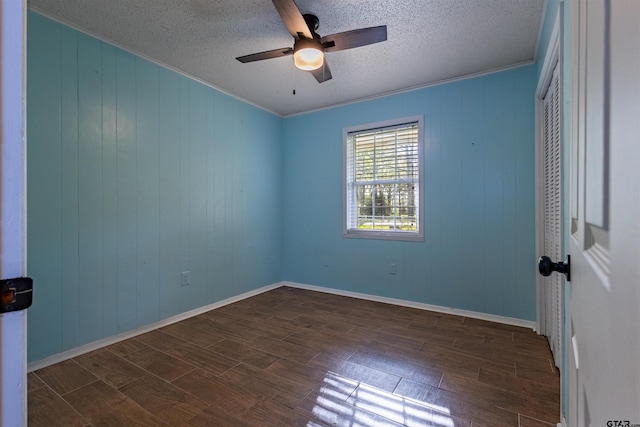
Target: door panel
pixel 595 112
pixel 604 362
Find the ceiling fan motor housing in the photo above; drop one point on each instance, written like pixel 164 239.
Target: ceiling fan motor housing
pixel 312 22
pixel 309 48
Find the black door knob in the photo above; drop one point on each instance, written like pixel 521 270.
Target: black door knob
pixel 546 266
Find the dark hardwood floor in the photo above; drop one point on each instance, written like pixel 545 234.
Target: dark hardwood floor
pixel 293 357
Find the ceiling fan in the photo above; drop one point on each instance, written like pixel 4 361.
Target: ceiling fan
pixel 309 48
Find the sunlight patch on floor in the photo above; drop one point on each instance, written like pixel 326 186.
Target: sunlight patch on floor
pixel 368 406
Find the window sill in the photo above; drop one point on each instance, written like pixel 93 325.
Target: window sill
pixel 384 235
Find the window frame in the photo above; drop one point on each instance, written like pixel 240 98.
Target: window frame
pixel 413 236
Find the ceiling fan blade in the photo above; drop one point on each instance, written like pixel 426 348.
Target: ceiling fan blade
pixel 275 53
pixel 323 73
pixel 292 18
pixel 354 38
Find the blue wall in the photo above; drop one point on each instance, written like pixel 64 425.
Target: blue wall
pixel 479 248
pixel 136 173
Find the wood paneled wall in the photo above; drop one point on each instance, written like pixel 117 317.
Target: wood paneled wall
pixel 135 174
pixel 479 248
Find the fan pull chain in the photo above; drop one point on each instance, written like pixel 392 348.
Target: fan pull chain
pixel 294 78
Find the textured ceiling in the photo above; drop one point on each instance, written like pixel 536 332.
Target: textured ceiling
pixel 428 41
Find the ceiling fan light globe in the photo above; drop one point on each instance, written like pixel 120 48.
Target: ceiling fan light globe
pixel 308 58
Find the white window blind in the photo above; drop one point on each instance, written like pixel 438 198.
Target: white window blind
pixel 383 170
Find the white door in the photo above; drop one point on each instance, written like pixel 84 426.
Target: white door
pixel 13 325
pixel 604 357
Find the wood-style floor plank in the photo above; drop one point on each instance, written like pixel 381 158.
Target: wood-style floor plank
pixel 501 398
pixel 449 402
pixel 103 405
pixel 354 371
pixel 400 409
pixel 337 412
pixel 244 353
pixel 110 368
pixel 218 391
pixel 158 363
pixel 270 413
pixel 65 376
pixel 414 372
pixel 167 401
pixel 33 382
pixel 47 408
pixel 295 357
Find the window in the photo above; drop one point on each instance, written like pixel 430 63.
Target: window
pixel 383 180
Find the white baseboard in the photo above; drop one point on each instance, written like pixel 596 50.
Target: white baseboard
pixel 440 309
pixel 74 352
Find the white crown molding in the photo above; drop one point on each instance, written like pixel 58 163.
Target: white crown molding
pixel 550 58
pixel 141 55
pixel 415 88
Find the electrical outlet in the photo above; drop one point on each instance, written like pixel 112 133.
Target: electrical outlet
pixel 185 278
pixel 392 268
